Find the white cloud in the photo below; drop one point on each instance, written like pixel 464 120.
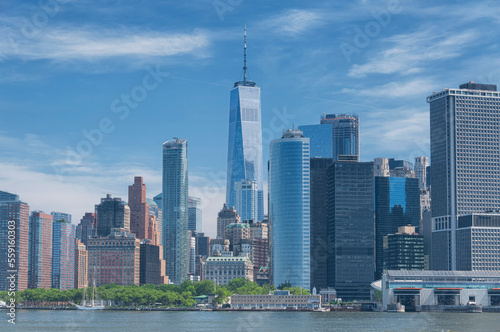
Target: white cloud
pixel 409 53
pixel 416 87
pixel 294 21
pixel 95 43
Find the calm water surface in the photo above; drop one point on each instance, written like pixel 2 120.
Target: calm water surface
pixel 108 321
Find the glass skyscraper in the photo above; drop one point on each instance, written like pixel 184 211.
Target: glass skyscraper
pixel 336 135
pixel 194 214
pixel 246 199
pixel 397 203
pixel 175 212
pixel 465 154
pixel 321 139
pixel 345 129
pixel 244 157
pixel 289 209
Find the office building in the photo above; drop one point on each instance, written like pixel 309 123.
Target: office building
pixel 202 244
pixel 155 222
pixel 158 199
pixel 381 167
pixel 465 154
pixel 40 251
pixel 111 213
pixel 139 209
pixel 194 214
pixel 478 242
pixel 319 222
pixel 320 139
pixel 81 265
pixel 63 254
pixel 175 212
pixel 259 230
pixel 345 129
pixel 222 270
pixel 399 164
pixel 246 199
pixel 351 229
pixel 421 164
pixel 404 250
pixel 289 209
pixel 244 157
pixel 114 258
pixel 235 233
pixel 191 253
pixel 397 203
pixel 152 264
pixel 86 228
pixel 14 216
pixel 228 215
pixel 218 246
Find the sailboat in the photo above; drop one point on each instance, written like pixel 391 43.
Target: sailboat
pixel 91 305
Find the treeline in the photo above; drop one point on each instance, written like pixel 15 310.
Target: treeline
pixel 149 295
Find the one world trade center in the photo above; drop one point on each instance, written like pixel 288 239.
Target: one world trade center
pixel 244 159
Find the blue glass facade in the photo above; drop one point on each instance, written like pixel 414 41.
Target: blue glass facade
pixel 345 130
pixel 194 214
pixel 175 212
pixel 63 255
pixel 289 208
pixel 321 139
pixel 397 203
pixel 244 159
pixel 246 199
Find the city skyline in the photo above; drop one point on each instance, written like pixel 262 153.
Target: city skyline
pixel 61 86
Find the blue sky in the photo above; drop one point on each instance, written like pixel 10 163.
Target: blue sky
pixel 73 67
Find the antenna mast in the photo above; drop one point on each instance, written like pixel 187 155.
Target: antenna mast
pixel 245 57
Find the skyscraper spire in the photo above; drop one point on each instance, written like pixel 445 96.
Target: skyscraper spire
pixel 245 57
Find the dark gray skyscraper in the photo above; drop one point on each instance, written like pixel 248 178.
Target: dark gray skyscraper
pixel 319 222
pixel 350 229
pixel 465 154
pixel 111 213
pixel 244 158
pixel 175 209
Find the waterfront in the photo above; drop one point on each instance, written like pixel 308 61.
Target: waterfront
pixel 109 321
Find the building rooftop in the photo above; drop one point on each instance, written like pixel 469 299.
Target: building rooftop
pixel 452 274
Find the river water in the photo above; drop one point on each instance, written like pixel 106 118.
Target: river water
pixel 141 321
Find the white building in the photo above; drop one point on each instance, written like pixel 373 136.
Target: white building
pixel 278 300
pixel 222 270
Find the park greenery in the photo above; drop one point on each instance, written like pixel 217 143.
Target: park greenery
pixel 150 295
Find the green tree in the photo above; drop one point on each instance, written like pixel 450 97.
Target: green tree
pixel 284 285
pixel 222 295
pixel 204 287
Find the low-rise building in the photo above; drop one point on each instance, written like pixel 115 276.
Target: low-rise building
pixel 427 290
pixel 278 300
pixel 222 270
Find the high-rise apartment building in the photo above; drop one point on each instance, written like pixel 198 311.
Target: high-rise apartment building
pixel 194 214
pixel 227 215
pixel 345 129
pixel 246 199
pixel 139 209
pixel 175 212
pixel 244 158
pixel 111 213
pixel 63 254
pixel 14 225
pixel 397 203
pixel 114 258
pixel 289 209
pixel 465 154
pixel 351 229
pixel 81 265
pixel 56 216
pixel 86 228
pixel 40 253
